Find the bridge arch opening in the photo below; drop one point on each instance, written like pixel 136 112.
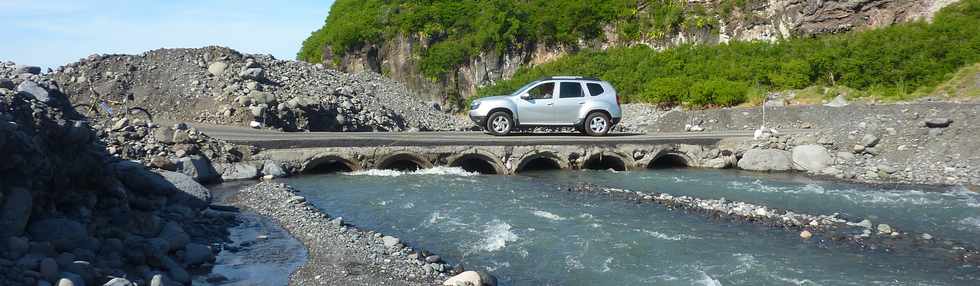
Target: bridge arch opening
pixel 539 162
pixel 328 165
pixel 477 163
pixel 669 161
pixel 405 162
pixel 605 161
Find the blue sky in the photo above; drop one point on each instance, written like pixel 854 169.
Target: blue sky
pixel 51 33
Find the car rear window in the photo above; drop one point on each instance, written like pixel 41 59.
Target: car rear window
pixel 595 89
pixel 570 90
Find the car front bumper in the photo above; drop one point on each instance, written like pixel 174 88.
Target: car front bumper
pixel 479 119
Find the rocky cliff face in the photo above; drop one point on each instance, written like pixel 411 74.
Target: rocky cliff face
pixel 767 20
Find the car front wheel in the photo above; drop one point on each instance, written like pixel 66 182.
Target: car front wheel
pixel 500 123
pixel 597 124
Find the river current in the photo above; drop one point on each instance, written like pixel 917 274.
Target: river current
pixel 527 231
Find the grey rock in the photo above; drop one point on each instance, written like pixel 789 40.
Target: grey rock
pixel 199 168
pixel 258 110
pixel 182 137
pixel 487 279
pixel 239 171
pixel 811 158
pixel 273 169
pixel 138 179
pixel 164 135
pixel 65 282
pixel 766 160
pixel 884 229
pixel 116 281
pixel 217 68
pixel 938 122
pixel 175 236
pixel 64 234
pixel 16 212
pixel 433 259
pixel 188 192
pixel 175 271
pixel 17 247
pixel 253 74
pixel 390 241
pixel 887 169
pixel 195 254
pixel 6 83
pixel 22 69
pixel 157 280
pixel 49 269
pixel 33 89
pixel 870 140
pixel 72 279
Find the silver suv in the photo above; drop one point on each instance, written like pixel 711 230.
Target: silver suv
pixel 588 104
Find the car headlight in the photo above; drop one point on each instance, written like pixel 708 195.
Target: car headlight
pixel 474 105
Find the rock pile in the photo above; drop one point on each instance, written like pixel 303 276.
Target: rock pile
pixel 222 86
pixel 72 214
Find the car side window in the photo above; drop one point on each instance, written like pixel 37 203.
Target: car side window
pixel 595 89
pixel 571 90
pixel 543 91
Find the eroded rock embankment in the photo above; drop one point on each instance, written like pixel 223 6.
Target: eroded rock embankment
pixel 918 143
pixel 222 86
pixel 74 214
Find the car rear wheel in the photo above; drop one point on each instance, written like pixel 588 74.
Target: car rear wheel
pixel 597 124
pixel 500 123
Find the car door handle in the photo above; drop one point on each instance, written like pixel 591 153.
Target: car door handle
pixel 581 102
pixel 550 103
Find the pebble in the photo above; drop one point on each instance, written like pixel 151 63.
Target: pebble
pixel 806 234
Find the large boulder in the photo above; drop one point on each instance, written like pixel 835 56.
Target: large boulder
pixel 196 254
pixel 34 90
pixel 189 192
pixel 22 69
pixel 811 158
pixel 174 235
pixel 766 160
pixel 199 168
pixel 138 179
pixel 273 169
pixel 64 234
pixel 15 213
pixel 239 171
pixel 467 278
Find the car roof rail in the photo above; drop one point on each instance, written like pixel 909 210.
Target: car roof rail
pixel 571 77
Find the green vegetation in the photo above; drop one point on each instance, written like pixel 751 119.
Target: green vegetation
pixel 891 63
pixel 457 30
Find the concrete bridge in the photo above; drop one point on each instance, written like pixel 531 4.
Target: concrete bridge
pixel 325 152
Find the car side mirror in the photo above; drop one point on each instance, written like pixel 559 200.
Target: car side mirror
pixel 525 96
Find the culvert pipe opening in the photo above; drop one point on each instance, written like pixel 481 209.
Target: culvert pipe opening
pixel 328 166
pixel 668 161
pixel 539 164
pixel 476 164
pixel 604 162
pixel 403 162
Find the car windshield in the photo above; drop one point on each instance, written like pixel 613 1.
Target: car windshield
pixel 525 87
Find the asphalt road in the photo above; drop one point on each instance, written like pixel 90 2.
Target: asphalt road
pixel 283 140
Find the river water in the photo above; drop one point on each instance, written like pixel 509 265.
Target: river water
pixel 526 231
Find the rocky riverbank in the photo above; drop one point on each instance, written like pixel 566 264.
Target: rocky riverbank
pixel 917 143
pixel 858 233
pixel 222 86
pixel 74 214
pixel 339 253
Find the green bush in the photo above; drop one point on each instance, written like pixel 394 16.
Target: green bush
pixel 892 63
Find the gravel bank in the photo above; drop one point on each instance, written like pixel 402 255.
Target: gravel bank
pixel 861 234
pixel 340 254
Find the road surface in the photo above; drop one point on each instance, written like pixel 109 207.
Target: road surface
pixel 282 140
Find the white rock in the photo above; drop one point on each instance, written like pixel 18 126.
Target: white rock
pixel 467 278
